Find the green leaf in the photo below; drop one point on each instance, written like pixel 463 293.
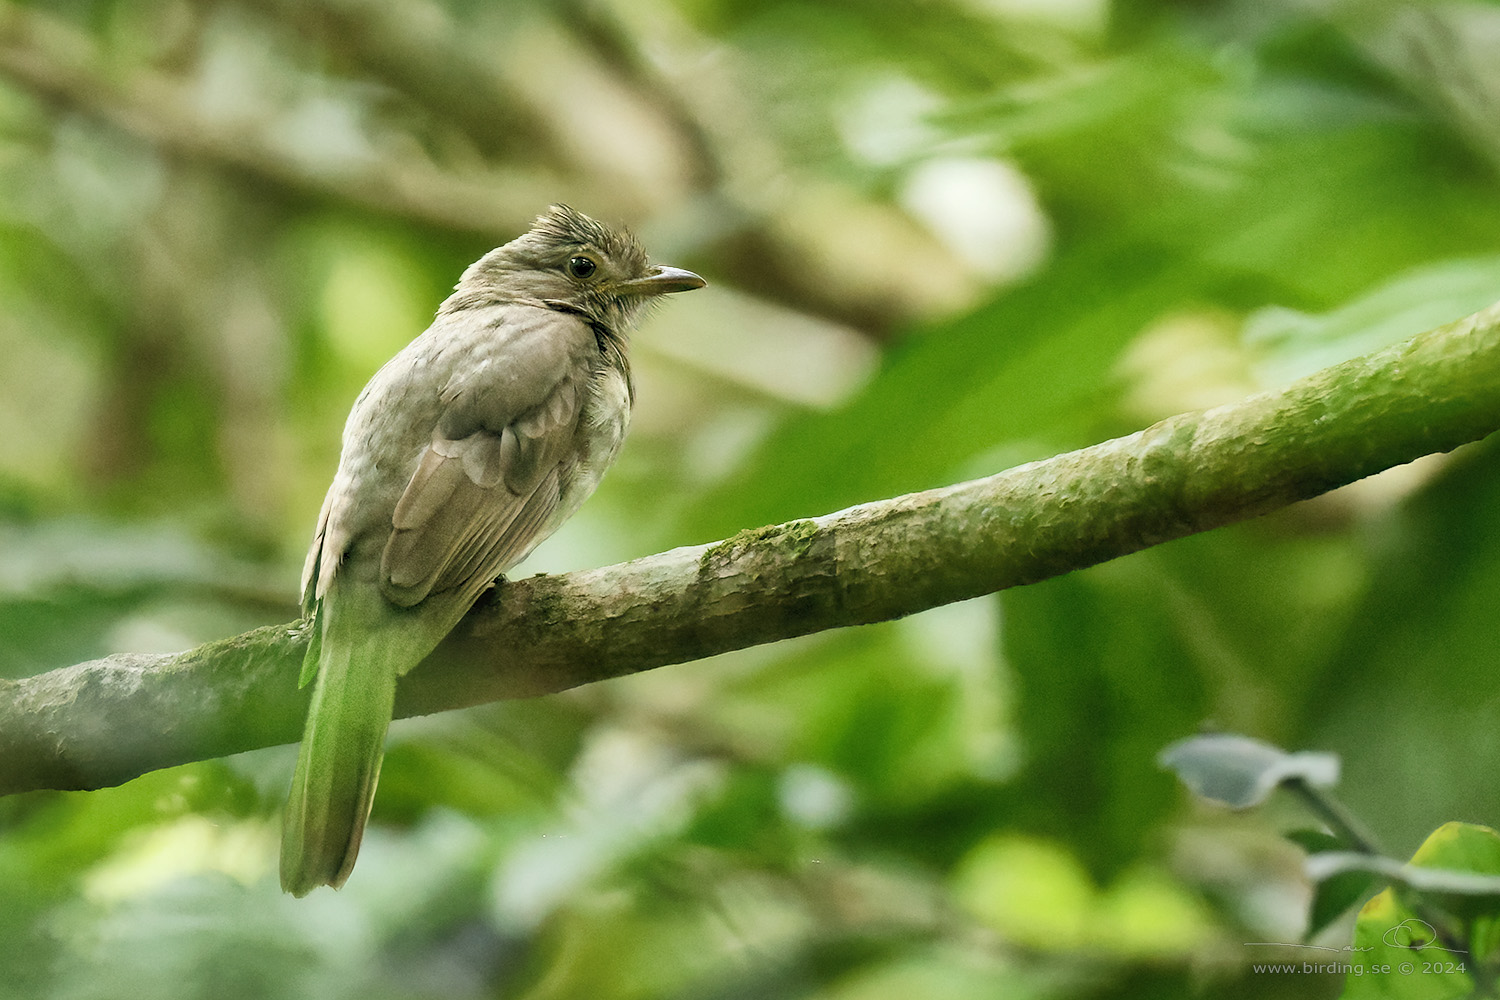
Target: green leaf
pixel 1289 344
pixel 1394 957
pixel 1332 896
pixel 1405 941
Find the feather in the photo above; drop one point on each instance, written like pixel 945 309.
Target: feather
pixel 459 522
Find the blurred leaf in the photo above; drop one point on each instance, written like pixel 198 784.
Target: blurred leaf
pixel 935 973
pixel 1032 891
pixel 1240 772
pixel 1332 896
pixel 73 589
pixel 1450 884
pixel 1147 914
pixel 1416 658
pixel 999 380
pixel 1104 679
pixel 509 759
pixel 1290 344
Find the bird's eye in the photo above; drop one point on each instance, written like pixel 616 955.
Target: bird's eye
pixel 581 267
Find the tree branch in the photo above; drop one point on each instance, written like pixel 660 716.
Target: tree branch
pixel 104 722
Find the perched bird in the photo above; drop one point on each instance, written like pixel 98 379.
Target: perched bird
pixel 466 450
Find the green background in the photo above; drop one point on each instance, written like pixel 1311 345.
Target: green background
pixel 942 238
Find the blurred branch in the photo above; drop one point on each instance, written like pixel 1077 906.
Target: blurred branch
pixel 444 72
pixel 597 28
pixel 417 50
pixel 1443 56
pixel 104 722
pixel 62 65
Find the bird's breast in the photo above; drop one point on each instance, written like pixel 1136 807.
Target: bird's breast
pixel 602 423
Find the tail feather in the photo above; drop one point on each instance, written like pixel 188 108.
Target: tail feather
pixel 360 646
pixel 337 769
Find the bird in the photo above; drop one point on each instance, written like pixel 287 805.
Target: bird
pixel 466 450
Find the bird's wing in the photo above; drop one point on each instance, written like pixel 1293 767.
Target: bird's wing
pixel 485 487
pixel 312 569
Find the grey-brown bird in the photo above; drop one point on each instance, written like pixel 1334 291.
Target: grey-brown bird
pixel 465 451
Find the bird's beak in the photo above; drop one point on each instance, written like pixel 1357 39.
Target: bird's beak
pixel 661 280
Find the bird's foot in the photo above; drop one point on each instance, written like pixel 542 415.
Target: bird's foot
pixel 491 593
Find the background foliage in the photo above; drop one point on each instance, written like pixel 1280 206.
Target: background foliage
pixel 942 237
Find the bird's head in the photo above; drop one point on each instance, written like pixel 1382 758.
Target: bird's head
pixel 570 259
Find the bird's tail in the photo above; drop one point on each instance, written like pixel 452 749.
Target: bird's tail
pixel 339 762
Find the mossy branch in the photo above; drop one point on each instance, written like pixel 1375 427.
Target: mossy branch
pixel 104 722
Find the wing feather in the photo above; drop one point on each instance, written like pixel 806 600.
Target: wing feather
pixel 327 550
pixel 315 555
pixel 491 548
pixel 477 505
pixel 431 487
